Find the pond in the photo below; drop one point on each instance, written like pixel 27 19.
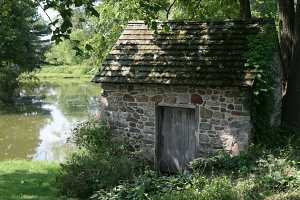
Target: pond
pixel 38 126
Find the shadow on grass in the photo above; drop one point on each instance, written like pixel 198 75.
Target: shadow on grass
pixel 24 184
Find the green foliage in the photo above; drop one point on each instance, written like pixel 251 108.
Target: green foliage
pixel 206 9
pixel 264 9
pixel 65 71
pixel 151 185
pixel 105 30
pixel 63 28
pixel 99 163
pixel 92 135
pixel 62 54
pixel 219 188
pixel 279 173
pixel 257 174
pixel 224 163
pixel 276 137
pixel 20 43
pixel 259 58
pixel 91 38
pixel 8 82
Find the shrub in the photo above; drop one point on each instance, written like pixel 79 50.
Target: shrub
pixel 219 188
pixel 278 173
pixel 224 163
pixel 151 185
pixel 108 167
pixel 98 164
pixel 154 187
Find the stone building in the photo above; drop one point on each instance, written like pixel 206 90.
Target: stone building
pixel 180 94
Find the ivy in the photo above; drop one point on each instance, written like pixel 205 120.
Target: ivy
pixel 262 47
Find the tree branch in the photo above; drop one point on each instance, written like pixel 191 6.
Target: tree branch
pixel 42 7
pixel 169 9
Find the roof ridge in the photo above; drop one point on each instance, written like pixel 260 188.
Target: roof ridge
pixel 254 20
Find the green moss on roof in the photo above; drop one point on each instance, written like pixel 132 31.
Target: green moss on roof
pixel 191 53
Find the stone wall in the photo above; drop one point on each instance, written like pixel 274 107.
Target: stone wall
pixel 224 116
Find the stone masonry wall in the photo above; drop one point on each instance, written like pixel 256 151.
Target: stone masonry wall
pixel 224 116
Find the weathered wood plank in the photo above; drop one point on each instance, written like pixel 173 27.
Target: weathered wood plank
pixel 177 70
pixel 195 32
pixel 173 52
pixel 208 53
pixel 178 138
pixel 203 25
pixel 205 60
pixel 175 55
pixel 179 42
pixel 189 47
pixel 218 36
pixel 205 68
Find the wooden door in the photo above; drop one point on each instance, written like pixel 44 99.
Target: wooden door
pixel 176 138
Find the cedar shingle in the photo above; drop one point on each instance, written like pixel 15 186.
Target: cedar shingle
pixel 192 53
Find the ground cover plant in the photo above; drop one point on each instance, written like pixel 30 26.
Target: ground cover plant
pixel 105 169
pixel 99 162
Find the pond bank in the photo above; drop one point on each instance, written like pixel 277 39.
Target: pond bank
pixel 66 72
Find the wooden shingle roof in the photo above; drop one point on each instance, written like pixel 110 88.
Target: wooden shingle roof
pixel 191 53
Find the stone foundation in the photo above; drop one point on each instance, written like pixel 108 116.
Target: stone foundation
pixel 223 114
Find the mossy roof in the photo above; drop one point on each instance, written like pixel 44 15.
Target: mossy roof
pixel 191 53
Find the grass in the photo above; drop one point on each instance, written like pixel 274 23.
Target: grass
pixel 65 71
pixel 28 180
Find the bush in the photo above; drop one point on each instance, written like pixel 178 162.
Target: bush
pixel 98 164
pixel 219 188
pixel 151 186
pixel 225 164
pixel 107 169
pixel 278 173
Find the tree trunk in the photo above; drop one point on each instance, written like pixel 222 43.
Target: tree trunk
pixel 291 109
pixel 245 10
pixel 286 31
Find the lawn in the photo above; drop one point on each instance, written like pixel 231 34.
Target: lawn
pixel 30 180
pixel 66 71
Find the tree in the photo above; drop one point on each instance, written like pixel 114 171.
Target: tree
pixel 21 48
pixel 289 11
pixel 245 10
pixel 289 28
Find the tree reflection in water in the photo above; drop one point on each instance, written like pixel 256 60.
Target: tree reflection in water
pixel 38 126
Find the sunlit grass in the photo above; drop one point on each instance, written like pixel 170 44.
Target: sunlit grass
pixel 34 180
pixel 65 71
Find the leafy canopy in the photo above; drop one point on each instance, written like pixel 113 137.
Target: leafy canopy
pixel 21 48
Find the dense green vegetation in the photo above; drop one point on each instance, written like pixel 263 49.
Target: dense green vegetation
pixel 105 169
pixel 28 180
pixel 21 48
pixel 65 71
pixel 99 163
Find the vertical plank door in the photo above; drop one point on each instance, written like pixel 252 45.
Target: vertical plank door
pixel 176 138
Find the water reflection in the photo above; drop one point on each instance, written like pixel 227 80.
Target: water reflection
pixel 38 126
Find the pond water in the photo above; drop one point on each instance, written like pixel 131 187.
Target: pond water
pixel 38 125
